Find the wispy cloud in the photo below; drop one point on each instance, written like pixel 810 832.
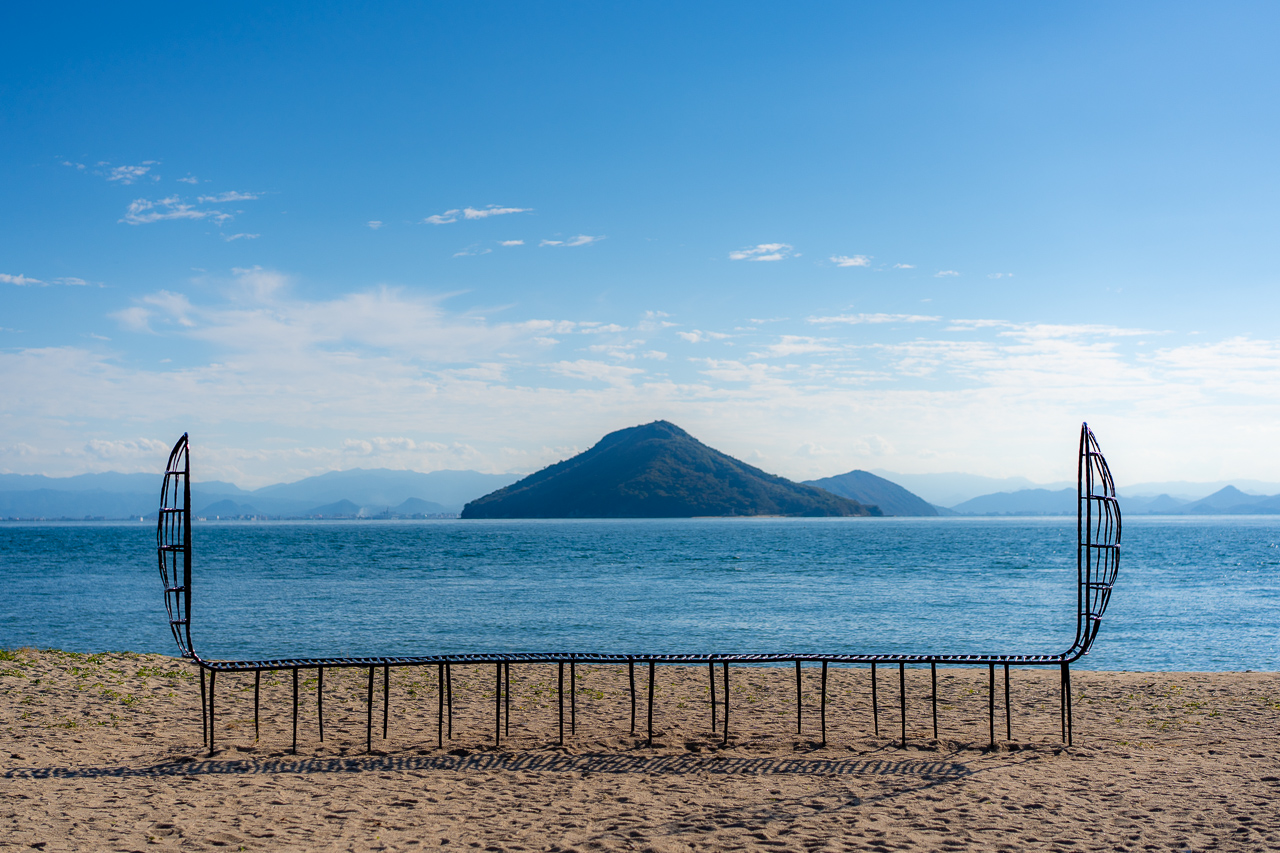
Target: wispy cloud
pixel 1000 275
pixel 144 211
pixel 73 165
pixel 26 281
pixel 764 252
pixel 510 242
pixel 856 319
pixel 600 371
pixel 189 179
pixel 698 336
pixel 851 260
pixel 450 216
pixel 580 240
pixel 375 224
pixel 126 175
pixel 945 273
pixel 904 266
pixel 472 251
pixel 792 345
pixel 230 237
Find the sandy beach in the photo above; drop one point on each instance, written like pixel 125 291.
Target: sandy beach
pixel 102 752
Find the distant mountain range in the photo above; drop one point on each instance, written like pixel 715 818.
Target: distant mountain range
pixel 383 493
pixel 657 471
pixel 338 494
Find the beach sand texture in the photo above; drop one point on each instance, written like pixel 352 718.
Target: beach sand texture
pixel 102 752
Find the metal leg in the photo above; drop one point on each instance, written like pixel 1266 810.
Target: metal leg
pixel 497 704
pixel 368 728
pixel 204 714
pixel 573 698
pixel 991 700
pixel 902 699
pixel 213 673
pixel 799 702
pixel 725 664
pixel 448 680
pixel 257 689
pixel 711 671
pixel 560 699
pixel 875 704
pixel 440 709
pixel 295 710
pixel 824 702
pixel 506 698
pixel 1066 683
pixel 631 678
pixel 1008 716
pixel 320 699
pixel 933 695
pixel 386 698
pixel 650 741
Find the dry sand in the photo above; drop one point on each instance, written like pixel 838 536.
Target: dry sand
pixel 102 752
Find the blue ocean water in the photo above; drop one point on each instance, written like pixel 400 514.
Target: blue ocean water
pixel 1193 593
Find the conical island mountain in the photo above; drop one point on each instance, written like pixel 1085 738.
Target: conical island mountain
pixel 657 471
pixel 867 488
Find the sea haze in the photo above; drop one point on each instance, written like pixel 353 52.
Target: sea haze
pixel 1193 593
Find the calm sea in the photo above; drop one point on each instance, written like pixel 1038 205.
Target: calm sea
pixel 1193 593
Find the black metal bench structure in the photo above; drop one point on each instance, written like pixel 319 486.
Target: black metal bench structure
pixel 1097 563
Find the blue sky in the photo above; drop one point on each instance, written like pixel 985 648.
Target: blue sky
pixel 923 237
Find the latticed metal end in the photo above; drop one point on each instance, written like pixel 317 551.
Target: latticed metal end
pixel 173 543
pixel 1097 542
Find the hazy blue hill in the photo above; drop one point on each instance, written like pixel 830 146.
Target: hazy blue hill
pixel 1232 501
pixel 338 509
pixel 866 488
pixel 379 487
pixel 51 503
pixel 109 481
pixel 227 508
pixel 656 471
pixel 1159 505
pixel 417 506
pixel 1022 502
pixel 951 489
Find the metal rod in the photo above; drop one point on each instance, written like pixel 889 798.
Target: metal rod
pixel 295 710
pixel 991 700
pixel 213 673
pixel 902 699
pixel 257 684
pixel 368 728
pixel 506 694
pixel 440 709
pixel 875 704
pixel 204 714
pixel 1062 694
pixel 650 741
pixel 1066 672
pixel 799 701
pixel 631 678
pixel 725 664
pixel 448 680
pixel 497 704
pixel 573 698
pixel 1008 721
pixel 320 699
pixel 560 698
pixel 711 671
pixel 933 695
pixel 824 703
pixel 386 698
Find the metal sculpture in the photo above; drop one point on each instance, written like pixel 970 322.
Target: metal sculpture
pixel 1097 563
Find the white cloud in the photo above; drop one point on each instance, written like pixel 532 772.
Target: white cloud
pixel 20 280
pixel 904 266
pixel 600 328
pixel 945 273
pixel 580 240
pixel 613 374
pixel 851 260
pixel 657 355
pixel 189 179
pixel 510 242
pixel 128 174
pixel 1000 275
pixel 73 165
pixel 792 345
pixel 471 251
pixel 144 211
pixel 698 336
pixel 857 319
pixel 375 224
pixel 763 252
pixel 450 216
pixel 230 237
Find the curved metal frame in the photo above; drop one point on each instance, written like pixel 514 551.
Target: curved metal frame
pixel 1098 524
